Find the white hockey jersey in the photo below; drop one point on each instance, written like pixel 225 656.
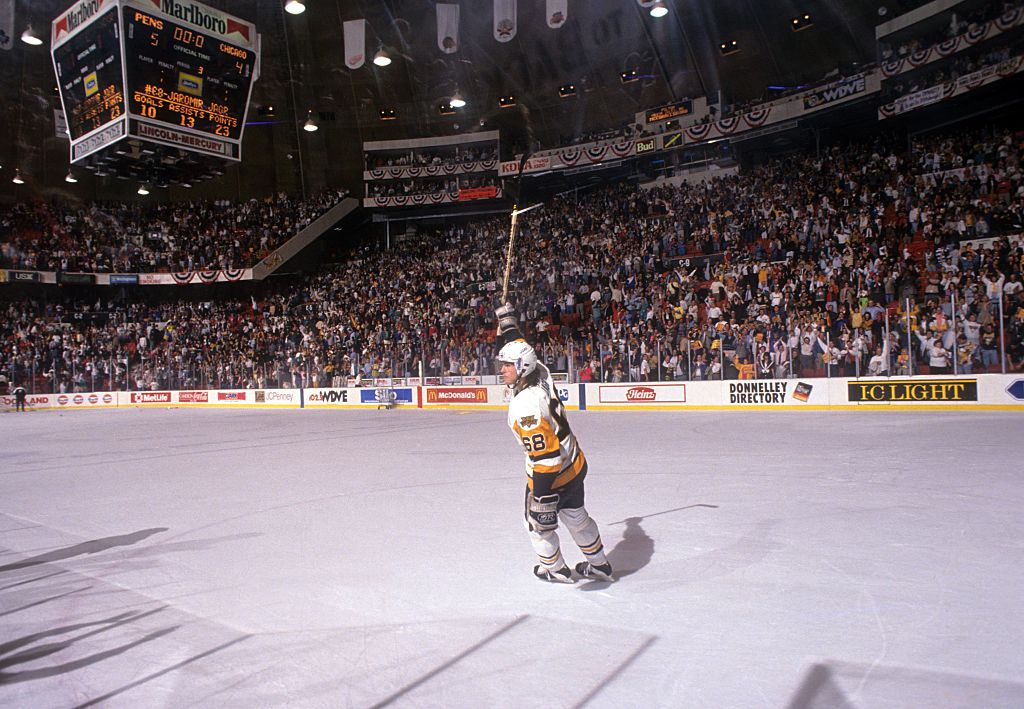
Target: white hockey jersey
pixel 537 418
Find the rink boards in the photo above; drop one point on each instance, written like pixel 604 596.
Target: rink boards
pixel 984 392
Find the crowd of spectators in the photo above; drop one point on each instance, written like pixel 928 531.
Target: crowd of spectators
pixel 152 238
pixel 962 64
pixel 960 22
pixel 626 130
pixel 422 157
pixel 849 262
pixel 431 185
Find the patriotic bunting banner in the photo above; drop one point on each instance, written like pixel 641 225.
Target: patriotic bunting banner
pixel 959 86
pixel 420 198
pixel 977 33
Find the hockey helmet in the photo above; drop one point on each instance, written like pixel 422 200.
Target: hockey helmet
pixel 519 354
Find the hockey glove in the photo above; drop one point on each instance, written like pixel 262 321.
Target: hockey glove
pixel 543 513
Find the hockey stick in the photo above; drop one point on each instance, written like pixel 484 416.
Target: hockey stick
pixel 512 228
pixel 511 242
pixel 515 202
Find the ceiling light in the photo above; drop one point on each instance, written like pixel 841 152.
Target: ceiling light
pixel 29 36
pixel 457 101
pixel 659 9
pixel 143 190
pixel 387 114
pixel 17 177
pixel 295 7
pixel 567 90
pixel 71 177
pixel 310 125
pixel 729 47
pixel 506 101
pixel 629 76
pixel 381 58
pixel 445 109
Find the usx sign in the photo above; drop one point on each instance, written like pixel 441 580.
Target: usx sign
pixel 641 394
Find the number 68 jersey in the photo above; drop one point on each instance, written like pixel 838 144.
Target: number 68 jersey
pixel 537 418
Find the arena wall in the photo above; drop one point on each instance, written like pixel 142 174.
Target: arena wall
pixel 991 392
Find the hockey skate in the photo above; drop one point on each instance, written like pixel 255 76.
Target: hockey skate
pixel 595 573
pixel 562 575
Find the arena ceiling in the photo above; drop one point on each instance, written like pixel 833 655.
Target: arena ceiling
pixel 675 57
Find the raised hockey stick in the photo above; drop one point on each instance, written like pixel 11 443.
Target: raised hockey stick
pixel 511 242
pixel 512 226
pixel 516 211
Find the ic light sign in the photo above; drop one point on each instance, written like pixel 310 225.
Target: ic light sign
pixel 913 390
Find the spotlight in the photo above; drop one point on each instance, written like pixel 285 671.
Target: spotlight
pixel 387 114
pixel 506 101
pixel 71 177
pixel 17 177
pixel 29 36
pixel 295 7
pixel 445 109
pixel 729 47
pixel 143 190
pixel 381 58
pixel 799 24
pixel 310 125
pixel 457 101
pixel 567 90
pixel 659 9
pixel 627 77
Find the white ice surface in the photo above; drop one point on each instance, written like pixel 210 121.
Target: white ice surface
pixel 181 558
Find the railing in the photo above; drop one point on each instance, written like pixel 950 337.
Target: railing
pixel 935 333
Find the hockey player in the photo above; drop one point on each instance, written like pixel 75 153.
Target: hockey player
pixel 555 465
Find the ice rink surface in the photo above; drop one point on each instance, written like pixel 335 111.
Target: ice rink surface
pixel 197 558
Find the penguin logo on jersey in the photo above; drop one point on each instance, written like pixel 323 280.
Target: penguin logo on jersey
pixel 528 421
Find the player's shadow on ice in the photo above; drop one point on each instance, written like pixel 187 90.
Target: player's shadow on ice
pixel 93 546
pixel 634 551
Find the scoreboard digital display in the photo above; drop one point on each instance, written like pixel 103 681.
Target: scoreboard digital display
pixel 183 77
pixel 175 72
pixel 89 76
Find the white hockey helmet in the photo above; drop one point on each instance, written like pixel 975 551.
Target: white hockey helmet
pixel 520 355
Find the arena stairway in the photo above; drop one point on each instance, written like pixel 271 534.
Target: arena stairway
pixel 295 245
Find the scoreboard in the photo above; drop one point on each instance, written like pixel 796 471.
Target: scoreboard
pixel 89 74
pixel 184 77
pixel 174 72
